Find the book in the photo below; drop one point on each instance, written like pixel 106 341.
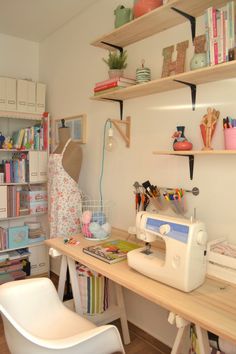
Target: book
pixel 111 251
pixel 115 79
pixel 108 90
pixel 112 84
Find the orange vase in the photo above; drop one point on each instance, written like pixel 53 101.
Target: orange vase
pixel 141 7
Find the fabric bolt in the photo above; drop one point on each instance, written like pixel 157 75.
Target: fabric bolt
pixel 65 199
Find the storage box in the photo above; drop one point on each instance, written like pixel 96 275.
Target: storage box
pixel 36 207
pixel 33 196
pixel 18 236
pixel 220 265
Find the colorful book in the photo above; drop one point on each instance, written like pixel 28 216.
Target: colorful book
pixel 113 84
pixel 111 251
pixel 115 79
pixel 108 90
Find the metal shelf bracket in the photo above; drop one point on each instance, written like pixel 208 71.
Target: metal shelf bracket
pixel 191 163
pixel 190 18
pixel 121 105
pixel 193 88
pixel 113 46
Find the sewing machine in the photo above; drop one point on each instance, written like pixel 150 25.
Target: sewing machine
pixel 183 262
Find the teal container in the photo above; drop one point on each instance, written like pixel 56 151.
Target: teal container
pixel 122 15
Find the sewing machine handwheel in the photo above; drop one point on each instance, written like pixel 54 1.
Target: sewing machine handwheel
pixel 202 238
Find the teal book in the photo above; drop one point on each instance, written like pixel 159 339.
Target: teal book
pixel 111 251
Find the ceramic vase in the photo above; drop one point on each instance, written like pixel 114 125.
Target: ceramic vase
pixel 115 73
pixel 198 61
pixel 141 7
pixel 181 143
pixel 122 15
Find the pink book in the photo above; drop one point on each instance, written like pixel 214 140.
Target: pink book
pixel 7 172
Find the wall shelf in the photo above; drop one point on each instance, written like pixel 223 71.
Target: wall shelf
pixel 201 76
pixel 191 153
pixel 155 22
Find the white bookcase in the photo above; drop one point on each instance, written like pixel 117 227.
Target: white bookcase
pixel 11 121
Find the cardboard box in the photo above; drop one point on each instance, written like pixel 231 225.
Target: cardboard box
pixel 18 236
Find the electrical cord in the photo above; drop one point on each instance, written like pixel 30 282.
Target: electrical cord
pixel 103 158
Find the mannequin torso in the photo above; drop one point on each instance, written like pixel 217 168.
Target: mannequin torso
pixel 72 157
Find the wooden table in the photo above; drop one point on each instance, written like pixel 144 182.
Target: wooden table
pixel 211 307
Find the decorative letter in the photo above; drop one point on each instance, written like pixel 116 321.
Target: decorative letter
pixel 177 66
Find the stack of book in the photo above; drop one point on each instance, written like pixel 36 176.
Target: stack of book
pixel 220 33
pixel 34 137
pixel 15 169
pixel 113 84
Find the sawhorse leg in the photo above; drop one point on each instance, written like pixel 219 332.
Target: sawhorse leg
pixel 184 328
pixel 123 318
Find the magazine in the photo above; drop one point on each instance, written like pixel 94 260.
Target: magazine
pixel 111 251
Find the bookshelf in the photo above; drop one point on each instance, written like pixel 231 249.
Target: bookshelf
pixel 154 22
pixel 201 76
pixel 26 180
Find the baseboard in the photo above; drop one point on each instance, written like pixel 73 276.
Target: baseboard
pixel 148 338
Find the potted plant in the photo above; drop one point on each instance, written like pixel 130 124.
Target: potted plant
pixel 116 62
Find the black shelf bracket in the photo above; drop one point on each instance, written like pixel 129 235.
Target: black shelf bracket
pixel 113 46
pixel 193 88
pixel 191 164
pixel 190 18
pixel 121 105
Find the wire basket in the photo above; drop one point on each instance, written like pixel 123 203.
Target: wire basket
pixel 95 219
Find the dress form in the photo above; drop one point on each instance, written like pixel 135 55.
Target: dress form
pixel 72 157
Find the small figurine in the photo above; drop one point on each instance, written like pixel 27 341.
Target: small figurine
pixel 2 139
pixel 8 143
pixel 207 126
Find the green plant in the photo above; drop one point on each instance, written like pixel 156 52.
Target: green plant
pixel 116 60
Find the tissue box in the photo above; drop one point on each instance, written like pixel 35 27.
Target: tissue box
pixel 18 236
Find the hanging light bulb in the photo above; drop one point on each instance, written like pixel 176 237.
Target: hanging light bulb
pixel 111 141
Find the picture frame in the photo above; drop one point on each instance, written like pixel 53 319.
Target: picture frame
pixel 77 125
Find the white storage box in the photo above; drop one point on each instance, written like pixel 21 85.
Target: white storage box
pixel 221 265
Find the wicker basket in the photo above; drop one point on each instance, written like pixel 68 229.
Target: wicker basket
pixel 95 220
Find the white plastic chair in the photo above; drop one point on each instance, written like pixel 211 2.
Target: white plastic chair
pixel 36 321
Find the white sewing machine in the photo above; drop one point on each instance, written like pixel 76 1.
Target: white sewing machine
pixel 183 263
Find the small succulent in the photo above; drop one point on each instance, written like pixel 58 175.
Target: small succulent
pixel 116 60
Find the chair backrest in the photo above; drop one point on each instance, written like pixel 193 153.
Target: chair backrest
pixel 36 321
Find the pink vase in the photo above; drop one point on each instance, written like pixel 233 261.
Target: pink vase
pixel 141 7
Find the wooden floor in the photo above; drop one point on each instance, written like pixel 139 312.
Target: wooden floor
pixel 141 342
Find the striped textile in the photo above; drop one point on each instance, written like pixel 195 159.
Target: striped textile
pixel 93 289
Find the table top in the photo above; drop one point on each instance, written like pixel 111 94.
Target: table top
pixel 212 306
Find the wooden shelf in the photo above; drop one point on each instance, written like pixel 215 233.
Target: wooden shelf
pixel 21 115
pixel 22 216
pixel 201 76
pixel 195 152
pixel 191 153
pixel 155 22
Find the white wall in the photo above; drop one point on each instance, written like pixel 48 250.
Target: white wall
pixel 19 58
pixel 71 66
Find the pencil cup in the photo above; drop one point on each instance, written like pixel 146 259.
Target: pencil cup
pixel 230 138
pixel 95 220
